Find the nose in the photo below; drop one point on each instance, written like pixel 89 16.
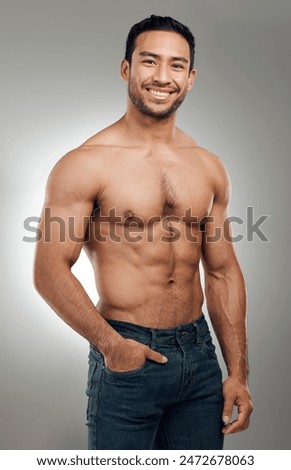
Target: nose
pixel 162 74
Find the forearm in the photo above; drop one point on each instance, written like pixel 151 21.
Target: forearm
pixel 226 303
pixel 65 294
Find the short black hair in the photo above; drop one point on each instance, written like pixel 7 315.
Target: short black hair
pixel 159 23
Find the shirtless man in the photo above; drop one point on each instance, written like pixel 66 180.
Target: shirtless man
pixel 147 204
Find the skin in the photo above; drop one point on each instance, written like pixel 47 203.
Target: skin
pixel 142 167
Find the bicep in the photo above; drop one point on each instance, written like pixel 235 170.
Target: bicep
pixel 217 246
pixel 68 205
pixel 62 230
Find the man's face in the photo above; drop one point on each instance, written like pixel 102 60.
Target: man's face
pixel 158 77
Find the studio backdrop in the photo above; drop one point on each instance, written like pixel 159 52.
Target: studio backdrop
pixel 59 85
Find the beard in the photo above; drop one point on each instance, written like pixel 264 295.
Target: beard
pixel 147 110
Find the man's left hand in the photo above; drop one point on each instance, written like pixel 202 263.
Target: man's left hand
pixel 236 393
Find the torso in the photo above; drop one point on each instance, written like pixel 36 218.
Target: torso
pixel 143 244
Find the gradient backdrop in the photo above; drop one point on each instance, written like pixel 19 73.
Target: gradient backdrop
pixel 59 85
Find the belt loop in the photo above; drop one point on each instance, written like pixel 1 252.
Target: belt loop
pixel 198 337
pixel 153 344
pixel 177 335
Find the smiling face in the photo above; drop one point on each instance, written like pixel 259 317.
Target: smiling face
pixel 158 76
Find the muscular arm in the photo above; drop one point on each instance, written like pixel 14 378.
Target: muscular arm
pixel 72 187
pixel 226 302
pixel 69 202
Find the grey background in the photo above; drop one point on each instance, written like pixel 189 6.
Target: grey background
pixel 59 85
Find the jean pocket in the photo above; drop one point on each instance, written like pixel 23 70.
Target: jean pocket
pixel 127 373
pixel 91 375
pixel 208 346
pixel 95 354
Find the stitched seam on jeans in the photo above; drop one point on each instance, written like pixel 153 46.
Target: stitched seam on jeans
pixel 97 404
pixel 167 437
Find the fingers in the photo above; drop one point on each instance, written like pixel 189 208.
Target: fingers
pixel 227 410
pixel 155 356
pixel 242 421
pixel 240 424
pixel 236 394
pixel 148 352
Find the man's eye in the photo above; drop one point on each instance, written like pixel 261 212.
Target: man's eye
pixel 148 61
pixel 178 66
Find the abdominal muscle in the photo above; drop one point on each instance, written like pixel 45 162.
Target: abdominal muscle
pixel 153 285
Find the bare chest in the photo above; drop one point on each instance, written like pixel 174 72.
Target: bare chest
pixel 146 191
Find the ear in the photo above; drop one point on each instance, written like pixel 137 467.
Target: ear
pixel 191 79
pixel 124 70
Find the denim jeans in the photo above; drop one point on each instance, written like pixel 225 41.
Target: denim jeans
pixel 177 405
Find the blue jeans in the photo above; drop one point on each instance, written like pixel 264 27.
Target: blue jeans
pixel 177 405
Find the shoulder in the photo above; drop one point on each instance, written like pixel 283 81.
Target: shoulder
pixel 78 174
pixel 76 163
pixel 217 172
pixel 214 163
pixel 87 159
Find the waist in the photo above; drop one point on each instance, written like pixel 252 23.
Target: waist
pixel 153 306
pixel 160 336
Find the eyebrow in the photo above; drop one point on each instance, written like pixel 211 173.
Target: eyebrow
pixel 157 56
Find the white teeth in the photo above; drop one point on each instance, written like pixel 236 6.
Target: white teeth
pixel 162 94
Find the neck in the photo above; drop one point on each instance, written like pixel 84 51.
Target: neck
pixel 148 129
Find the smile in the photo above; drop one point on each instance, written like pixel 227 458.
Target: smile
pixel 161 95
